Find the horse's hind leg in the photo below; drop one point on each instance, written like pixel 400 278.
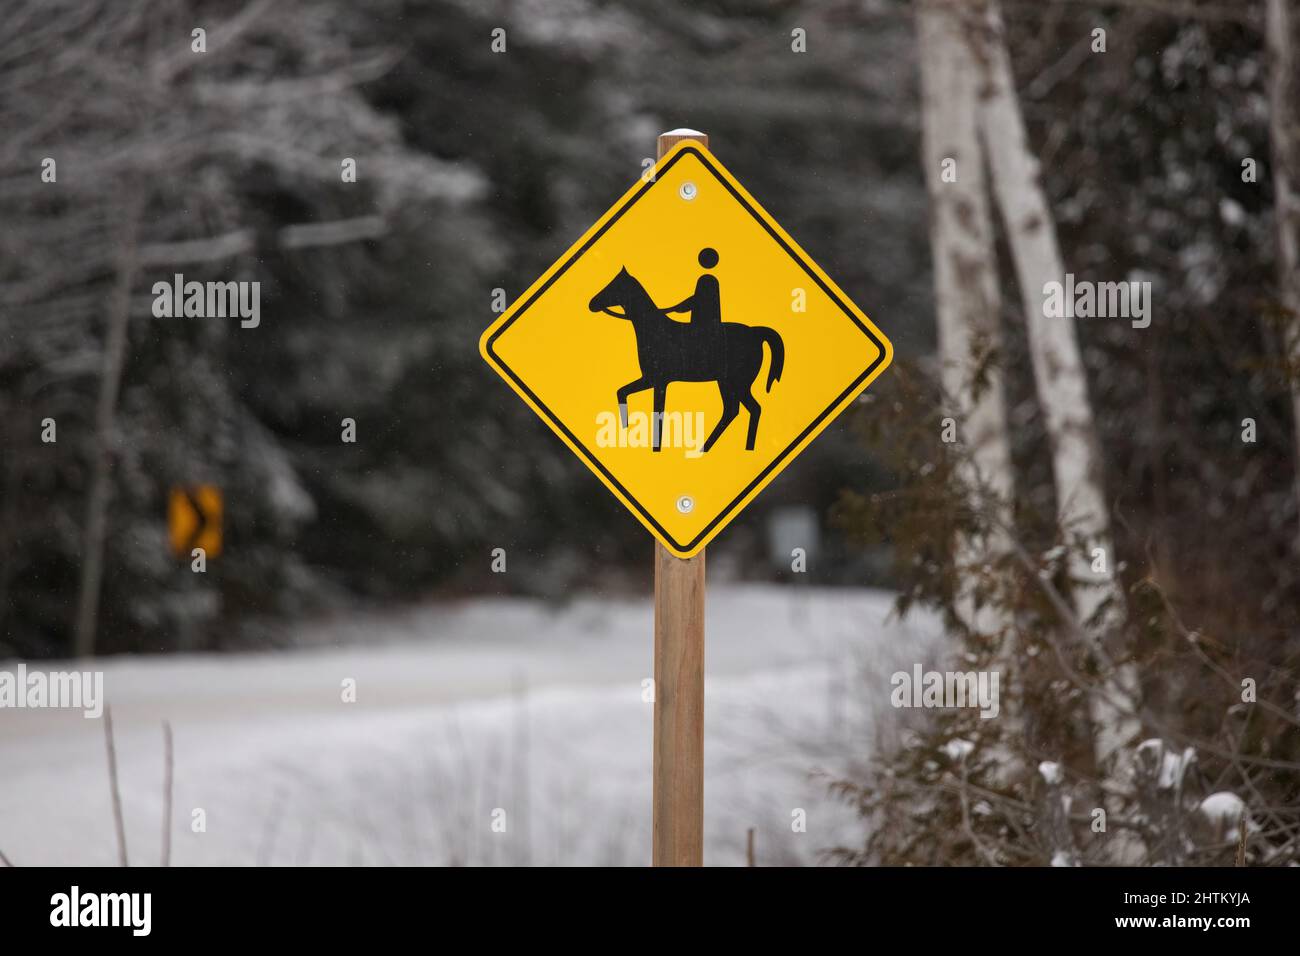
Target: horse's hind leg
pixel 661 392
pixel 730 406
pixel 751 406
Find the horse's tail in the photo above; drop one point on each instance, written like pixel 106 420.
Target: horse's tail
pixel 774 343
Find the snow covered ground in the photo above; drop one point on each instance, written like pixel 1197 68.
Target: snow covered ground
pixel 467 713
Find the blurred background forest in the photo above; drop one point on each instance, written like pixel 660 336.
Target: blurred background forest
pixel 474 170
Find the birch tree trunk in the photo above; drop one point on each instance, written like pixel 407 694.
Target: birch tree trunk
pixel 101 477
pixel 1060 381
pixel 966 294
pixel 1284 117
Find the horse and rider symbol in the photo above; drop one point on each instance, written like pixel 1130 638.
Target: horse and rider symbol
pixel 705 349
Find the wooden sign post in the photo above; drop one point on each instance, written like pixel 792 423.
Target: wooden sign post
pixel 592 347
pixel 679 686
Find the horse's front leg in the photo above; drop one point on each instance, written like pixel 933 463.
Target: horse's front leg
pixel 661 393
pixel 640 385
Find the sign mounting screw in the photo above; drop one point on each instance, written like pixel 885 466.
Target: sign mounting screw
pixel 685 504
pixel 688 191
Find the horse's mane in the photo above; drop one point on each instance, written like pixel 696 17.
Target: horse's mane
pixel 645 308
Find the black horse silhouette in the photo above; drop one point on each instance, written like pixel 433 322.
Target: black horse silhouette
pixel 727 353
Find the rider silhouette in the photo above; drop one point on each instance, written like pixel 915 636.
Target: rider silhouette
pixel 705 306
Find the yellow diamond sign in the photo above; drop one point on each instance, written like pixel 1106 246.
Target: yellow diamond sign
pixel 686 349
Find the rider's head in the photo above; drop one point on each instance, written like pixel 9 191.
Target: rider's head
pixel 708 258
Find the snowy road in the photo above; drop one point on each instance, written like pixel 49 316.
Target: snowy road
pixel 486 711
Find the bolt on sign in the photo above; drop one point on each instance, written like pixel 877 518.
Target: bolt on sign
pixel 194 520
pixel 686 349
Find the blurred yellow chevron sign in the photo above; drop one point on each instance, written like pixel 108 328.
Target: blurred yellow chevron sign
pixel 686 348
pixel 194 520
